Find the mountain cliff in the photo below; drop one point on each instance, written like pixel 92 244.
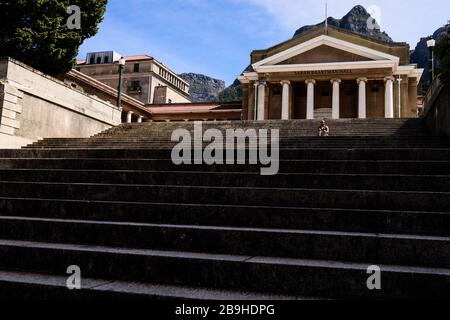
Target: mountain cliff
pixel 203 88
pixel 357 20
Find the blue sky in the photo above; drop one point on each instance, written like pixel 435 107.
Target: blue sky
pixel 215 37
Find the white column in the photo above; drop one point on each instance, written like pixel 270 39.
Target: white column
pixel 140 119
pixel 285 100
pixel 129 116
pixel 399 81
pixel 255 107
pixel 310 99
pixel 261 100
pixel 336 96
pixel 389 98
pixel 362 98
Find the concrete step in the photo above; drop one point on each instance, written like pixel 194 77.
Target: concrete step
pixel 286 166
pixel 261 274
pixel 289 138
pixel 431 145
pixel 343 153
pixel 44 287
pixel 375 193
pixel 302 244
pixel 289 197
pixel 230 179
pixel 279 217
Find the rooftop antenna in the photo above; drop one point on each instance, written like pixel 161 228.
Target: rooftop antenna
pixel 326 17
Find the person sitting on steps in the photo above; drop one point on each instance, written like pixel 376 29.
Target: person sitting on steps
pixel 324 131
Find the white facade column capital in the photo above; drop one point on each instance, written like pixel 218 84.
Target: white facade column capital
pixel 359 80
pixel 335 80
pixel 308 81
pixel 390 78
pixel 285 82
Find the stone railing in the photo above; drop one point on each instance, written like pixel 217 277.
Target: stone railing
pixel 35 106
pixel 436 113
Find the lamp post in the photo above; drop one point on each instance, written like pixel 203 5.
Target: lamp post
pixel 119 89
pixel 431 43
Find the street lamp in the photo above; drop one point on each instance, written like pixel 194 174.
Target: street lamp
pixel 122 62
pixel 431 43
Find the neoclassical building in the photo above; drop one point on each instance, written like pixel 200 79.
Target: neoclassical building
pixel 330 73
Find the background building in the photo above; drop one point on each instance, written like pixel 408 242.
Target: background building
pixel 145 79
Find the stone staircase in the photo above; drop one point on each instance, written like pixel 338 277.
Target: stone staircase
pixel 374 193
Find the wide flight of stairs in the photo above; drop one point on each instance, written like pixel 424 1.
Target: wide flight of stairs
pixel 377 192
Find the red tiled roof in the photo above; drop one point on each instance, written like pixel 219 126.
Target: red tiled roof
pixel 138 58
pixel 184 108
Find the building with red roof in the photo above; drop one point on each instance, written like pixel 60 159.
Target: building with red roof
pixel 145 79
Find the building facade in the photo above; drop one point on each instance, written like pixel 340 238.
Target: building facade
pixel 144 79
pixel 330 73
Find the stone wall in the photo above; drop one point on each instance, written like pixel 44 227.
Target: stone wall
pixel 35 106
pixel 437 109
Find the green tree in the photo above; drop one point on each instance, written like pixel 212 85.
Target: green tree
pixel 36 33
pixel 443 57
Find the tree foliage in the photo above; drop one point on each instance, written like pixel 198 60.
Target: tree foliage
pixel 443 56
pixel 35 31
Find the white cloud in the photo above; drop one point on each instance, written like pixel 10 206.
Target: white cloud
pixel 289 15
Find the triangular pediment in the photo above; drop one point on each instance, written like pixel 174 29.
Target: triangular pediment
pixel 324 54
pixel 325 49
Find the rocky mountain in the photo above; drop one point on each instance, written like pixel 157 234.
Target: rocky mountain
pixel 203 88
pixel 420 55
pixel 357 20
pixel 232 93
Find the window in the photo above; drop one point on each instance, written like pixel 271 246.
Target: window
pixel 135 84
pixel 92 60
pixel 106 60
pixel 99 60
pixel 136 67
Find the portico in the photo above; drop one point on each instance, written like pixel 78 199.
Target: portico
pixel 334 75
